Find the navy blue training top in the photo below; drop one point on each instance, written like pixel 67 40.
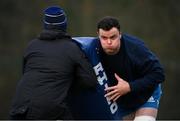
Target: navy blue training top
pixel 136 64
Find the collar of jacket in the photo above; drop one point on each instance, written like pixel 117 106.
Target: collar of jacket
pixel 53 34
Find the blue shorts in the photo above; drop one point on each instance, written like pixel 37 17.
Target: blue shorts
pixel 153 102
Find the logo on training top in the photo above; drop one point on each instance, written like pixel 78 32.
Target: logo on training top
pixel 151 99
pixel 102 79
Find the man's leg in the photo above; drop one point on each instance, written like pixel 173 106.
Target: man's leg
pixel 142 114
pixel 146 114
pixel 148 111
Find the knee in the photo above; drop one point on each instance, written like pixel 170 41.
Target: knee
pixel 144 118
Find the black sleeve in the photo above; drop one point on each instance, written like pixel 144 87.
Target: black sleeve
pixel 84 73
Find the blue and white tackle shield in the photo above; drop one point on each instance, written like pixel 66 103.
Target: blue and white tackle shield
pixel 92 104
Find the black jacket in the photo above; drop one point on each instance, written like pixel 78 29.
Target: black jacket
pixel 52 63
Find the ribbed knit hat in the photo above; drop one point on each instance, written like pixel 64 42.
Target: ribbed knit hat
pixel 55 18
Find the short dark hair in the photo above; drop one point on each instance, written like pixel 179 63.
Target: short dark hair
pixel 108 23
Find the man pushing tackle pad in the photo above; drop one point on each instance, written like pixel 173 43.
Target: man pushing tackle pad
pixel 92 104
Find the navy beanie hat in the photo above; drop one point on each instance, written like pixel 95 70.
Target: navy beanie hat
pixel 55 18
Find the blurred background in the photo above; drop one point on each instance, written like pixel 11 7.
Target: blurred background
pixel 155 21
